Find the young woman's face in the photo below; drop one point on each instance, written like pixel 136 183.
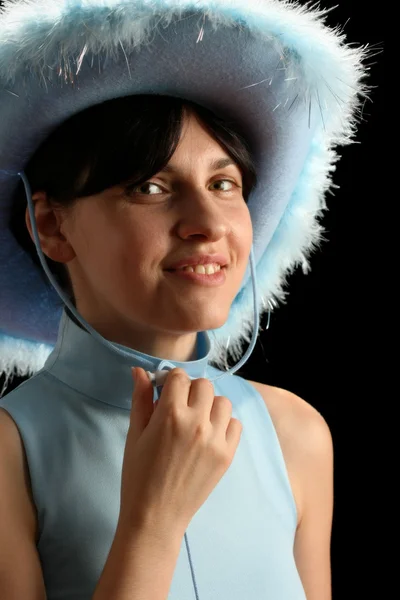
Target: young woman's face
pixel 118 245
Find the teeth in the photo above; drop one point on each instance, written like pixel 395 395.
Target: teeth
pixel 203 269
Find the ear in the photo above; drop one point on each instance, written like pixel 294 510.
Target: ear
pixel 48 223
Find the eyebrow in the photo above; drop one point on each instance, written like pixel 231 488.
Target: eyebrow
pixel 214 165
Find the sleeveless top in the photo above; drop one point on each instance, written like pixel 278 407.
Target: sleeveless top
pixel 73 417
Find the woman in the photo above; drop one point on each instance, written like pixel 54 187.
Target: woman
pixel 111 497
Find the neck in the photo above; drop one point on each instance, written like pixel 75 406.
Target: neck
pixel 175 347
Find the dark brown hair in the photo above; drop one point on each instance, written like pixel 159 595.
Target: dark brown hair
pixel 121 141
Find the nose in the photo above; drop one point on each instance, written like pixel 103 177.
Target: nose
pixel 203 216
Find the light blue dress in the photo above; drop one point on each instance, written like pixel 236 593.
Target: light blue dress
pixel 73 417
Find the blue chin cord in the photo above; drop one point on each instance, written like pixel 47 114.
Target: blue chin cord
pixel 159 376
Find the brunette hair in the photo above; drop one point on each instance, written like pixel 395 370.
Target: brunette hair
pixel 121 141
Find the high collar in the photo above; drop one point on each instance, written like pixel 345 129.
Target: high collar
pixel 87 365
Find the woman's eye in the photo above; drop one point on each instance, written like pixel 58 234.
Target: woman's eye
pixel 226 181
pixel 132 189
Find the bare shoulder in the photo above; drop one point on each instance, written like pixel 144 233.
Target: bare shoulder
pixel 304 436
pixel 10 435
pixel 15 472
pixel 296 418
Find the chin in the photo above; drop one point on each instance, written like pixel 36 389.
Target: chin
pixel 192 324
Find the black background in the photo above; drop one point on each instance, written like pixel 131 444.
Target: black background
pixel 321 345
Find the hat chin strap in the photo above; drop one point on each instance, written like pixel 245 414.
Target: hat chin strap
pixel 158 377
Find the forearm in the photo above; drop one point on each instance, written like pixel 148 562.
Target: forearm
pixel 140 566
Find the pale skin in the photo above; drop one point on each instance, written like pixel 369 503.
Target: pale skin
pixel 115 245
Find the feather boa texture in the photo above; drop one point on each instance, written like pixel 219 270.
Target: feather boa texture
pixel 325 70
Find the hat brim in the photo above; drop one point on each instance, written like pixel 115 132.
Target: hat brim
pixel 289 82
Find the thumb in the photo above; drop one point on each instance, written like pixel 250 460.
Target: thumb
pixel 142 400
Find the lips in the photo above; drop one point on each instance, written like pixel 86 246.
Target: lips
pixel 216 279
pixel 204 259
pixel 198 265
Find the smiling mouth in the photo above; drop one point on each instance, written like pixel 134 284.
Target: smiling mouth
pixel 188 268
pixel 212 279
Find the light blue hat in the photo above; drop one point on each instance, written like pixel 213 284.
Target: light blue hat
pixel 274 67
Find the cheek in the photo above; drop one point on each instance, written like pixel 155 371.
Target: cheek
pixel 244 231
pixel 137 253
pixel 103 249
pixel 113 251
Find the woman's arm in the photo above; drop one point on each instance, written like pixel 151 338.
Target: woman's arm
pixel 313 536
pixel 140 565
pixel 307 447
